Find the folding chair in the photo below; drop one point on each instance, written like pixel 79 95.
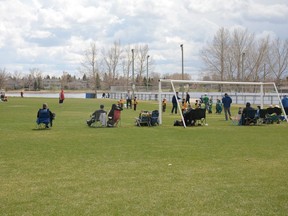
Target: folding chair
pixel 144 119
pixel 249 117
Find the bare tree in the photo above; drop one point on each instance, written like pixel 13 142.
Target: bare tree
pixel 111 61
pixel 126 60
pixel 255 59
pixel 34 79
pixel 17 79
pixel 241 41
pixel 3 78
pixel 214 54
pixel 90 66
pixel 141 55
pixel 278 59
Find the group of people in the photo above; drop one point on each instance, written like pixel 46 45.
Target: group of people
pixel 100 116
pixel 225 104
pixel 205 100
pixel 129 101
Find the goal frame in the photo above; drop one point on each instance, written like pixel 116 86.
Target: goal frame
pixel 260 84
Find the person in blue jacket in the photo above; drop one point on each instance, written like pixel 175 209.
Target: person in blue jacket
pixel 285 104
pixel 174 103
pixel 227 101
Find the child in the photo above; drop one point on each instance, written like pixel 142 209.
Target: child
pixel 164 102
pixel 121 103
pixel 135 102
pixel 184 105
pixel 218 106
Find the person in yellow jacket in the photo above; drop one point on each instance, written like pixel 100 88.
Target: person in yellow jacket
pixel 184 105
pixel 121 103
pixel 135 102
pixel 164 103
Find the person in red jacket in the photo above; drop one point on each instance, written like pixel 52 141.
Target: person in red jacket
pixel 61 96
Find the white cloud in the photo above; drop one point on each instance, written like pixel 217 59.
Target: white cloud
pixel 54 34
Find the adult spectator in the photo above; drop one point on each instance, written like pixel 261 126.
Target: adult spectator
pixel 174 103
pixel 227 101
pixel 96 116
pixel 285 104
pixel 129 99
pixel 61 96
pixel 187 98
pixel 45 116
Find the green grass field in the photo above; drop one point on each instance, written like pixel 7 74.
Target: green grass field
pixel 71 169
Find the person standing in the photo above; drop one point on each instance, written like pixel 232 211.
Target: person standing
pixel 129 99
pixel 164 102
pixel 135 102
pixel 205 100
pixel 285 104
pixel 174 103
pixel 226 101
pixel 61 96
pixel 187 98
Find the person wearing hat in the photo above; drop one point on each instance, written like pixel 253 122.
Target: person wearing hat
pixel 227 101
pixel 285 104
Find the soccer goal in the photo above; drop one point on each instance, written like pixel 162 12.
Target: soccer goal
pixel 258 92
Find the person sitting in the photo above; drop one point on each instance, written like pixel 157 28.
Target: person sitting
pixel 112 117
pixel 45 116
pixel 96 116
pixel 4 98
pixel 246 117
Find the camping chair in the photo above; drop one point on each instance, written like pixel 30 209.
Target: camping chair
pixel 261 116
pixel 249 117
pixel 144 119
pixel 236 120
pixel 273 115
pixel 115 119
pixel 154 118
pixel 44 119
pixel 100 120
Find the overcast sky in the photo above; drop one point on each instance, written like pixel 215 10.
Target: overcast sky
pixel 52 35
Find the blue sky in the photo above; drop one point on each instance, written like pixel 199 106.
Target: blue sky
pixel 52 35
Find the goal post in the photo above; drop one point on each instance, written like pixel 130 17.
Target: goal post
pixel 222 83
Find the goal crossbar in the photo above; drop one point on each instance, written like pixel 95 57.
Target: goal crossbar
pixel 261 84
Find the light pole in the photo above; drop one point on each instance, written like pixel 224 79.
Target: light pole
pixel 133 85
pixel 147 74
pixel 182 67
pixel 243 56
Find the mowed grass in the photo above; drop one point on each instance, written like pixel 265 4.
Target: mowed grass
pixel 71 169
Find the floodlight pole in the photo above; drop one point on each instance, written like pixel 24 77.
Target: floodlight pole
pixel 243 57
pixel 182 54
pixel 147 74
pixel 133 84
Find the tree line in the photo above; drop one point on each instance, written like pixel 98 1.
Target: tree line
pixel 239 55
